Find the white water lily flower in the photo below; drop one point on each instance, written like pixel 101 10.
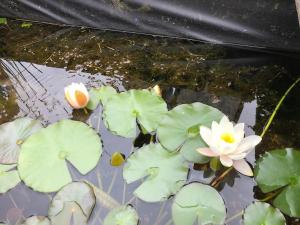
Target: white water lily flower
pixel 227 142
pixel 77 95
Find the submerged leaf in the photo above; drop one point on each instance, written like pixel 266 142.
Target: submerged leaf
pixel 260 213
pixel 281 169
pixel 42 162
pixel 71 214
pixel 123 215
pixel 3 21
pixel 198 202
pixel 79 192
pixel 164 172
pixel 12 135
pixel 122 110
pixel 180 129
pixel 36 220
pixel 8 178
pixel 98 95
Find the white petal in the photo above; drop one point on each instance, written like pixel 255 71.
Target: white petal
pixel 206 135
pixel 226 161
pixel 224 120
pixel 215 128
pixel 239 131
pixel 248 143
pixel 243 167
pixel 237 156
pixel 207 152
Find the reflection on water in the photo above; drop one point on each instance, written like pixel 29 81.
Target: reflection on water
pixel 245 87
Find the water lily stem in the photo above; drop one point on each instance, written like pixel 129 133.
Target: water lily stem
pixel 278 106
pixel 271 196
pixel 215 183
pixel 85 111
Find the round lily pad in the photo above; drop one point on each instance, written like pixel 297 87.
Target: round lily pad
pixel 79 192
pixel 164 172
pixel 198 202
pixel 98 95
pixel 37 220
pixel 70 215
pixel 180 129
pixel 281 169
pixel 123 215
pixel 122 110
pixel 8 178
pixel 42 161
pixel 260 213
pixel 12 135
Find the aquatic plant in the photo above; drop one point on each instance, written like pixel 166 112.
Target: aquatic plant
pixel 227 142
pixel 123 215
pixel 77 95
pixel 9 178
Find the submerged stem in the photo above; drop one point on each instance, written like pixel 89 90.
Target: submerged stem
pixel 217 180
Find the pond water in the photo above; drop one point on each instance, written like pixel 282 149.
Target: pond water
pixel 36 64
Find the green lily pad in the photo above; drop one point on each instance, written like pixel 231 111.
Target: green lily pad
pixel 123 215
pixel 8 178
pixel 98 95
pixel 281 169
pixel 37 220
pixel 164 172
pixel 180 129
pixel 198 202
pixel 79 192
pixel 260 213
pixel 70 215
pixel 12 135
pixel 122 110
pixel 42 161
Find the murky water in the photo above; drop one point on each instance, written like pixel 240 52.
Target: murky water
pixel 37 63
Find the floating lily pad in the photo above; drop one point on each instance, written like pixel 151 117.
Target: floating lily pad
pixel 8 178
pixel 281 169
pixel 12 135
pixel 42 162
pixel 198 202
pixel 180 129
pixel 98 95
pixel 37 220
pixel 79 192
pixel 70 215
pixel 164 172
pixel 124 215
pixel 260 213
pixel 122 110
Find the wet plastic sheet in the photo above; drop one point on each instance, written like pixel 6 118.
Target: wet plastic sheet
pixel 255 23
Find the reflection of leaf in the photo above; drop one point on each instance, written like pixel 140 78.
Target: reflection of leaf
pixel 260 213
pixel 42 162
pixel 122 110
pixel 281 169
pixel 98 95
pixel 3 21
pixel 12 135
pixel 70 215
pixel 36 220
pixel 79 192
pixel 164 172
pixel 8 178
pixel 123 215
pixel 180 128
pixel 198 201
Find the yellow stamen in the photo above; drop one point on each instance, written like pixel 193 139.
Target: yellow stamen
pixel 227 138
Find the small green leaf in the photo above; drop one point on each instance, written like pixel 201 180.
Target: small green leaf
pixel 78 192
pixel 164 172
pixel 281 169
pixel 36 220
pixel 8 178
pixel 12 135
pixel 98 95
pixel 3 21
pixel 215 164
pixel 26 25
pixel 198 202
pixel 123 215
pixel 42 161
pixel 122 110
pixel 180 129
pixel 260 213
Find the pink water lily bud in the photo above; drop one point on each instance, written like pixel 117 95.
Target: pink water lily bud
pixel 77 95
pixel 228 142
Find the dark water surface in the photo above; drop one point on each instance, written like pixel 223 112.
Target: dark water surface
pixel 38 62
